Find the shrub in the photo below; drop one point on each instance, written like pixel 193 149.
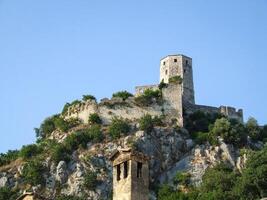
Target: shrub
pixel 117 127
pixel 61 124
pixel 7 193
pixel 65 197
pixel 200 121
pixel 162 85
pixel 95 133
pixel 90 180
pixel 67 105
pixel 94 119
pixel 8 157
pixel 59 153
pixel 75 140
pixel 253 129
pixel 33 172
pixel 148 97
pixel 47 127
pixel 146 123
pixel 182 178
pixel 88 97
pixel 29 151
pixel 176 79
pixel 123 94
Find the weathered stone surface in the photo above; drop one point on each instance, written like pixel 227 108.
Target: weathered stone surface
pixel 3 181
pixel 61 173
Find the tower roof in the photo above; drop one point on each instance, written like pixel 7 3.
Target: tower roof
pixel 128 154
pixel 175 55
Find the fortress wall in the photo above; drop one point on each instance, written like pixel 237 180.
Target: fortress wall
pixel 230 112
pixel 139 90
pixel 172 106
pixel 108 109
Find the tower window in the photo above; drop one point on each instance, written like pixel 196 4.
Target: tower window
pixel 166 72
pixel 139 169
pixel 175 60
pixel 118 172
pixel 186 62
pixel 125 169
pixel 184 70
pixel 164 63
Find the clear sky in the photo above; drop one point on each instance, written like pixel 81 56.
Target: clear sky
pixel 54 51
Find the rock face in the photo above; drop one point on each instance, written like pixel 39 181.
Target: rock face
pixel 61 174
pixel 170 150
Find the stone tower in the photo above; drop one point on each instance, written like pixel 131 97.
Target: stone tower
pixel 130 175
pixel 179 65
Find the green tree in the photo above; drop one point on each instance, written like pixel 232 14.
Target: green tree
pixel 118 127
pixel 253 129
pixel 29 151
pixel 90 180
pixel 88 97
pixel 95 133
pixel 94 119
pixel 6 158
pixel 122 94
pixel 146 123
pixel 7 193
pixel 33 172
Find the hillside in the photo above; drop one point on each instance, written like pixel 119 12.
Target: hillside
pixel 210 157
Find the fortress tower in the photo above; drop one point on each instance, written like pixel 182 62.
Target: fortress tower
pixel 130 175
pixel 179 65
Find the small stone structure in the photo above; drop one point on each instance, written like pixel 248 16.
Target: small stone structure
pixel 178 98
pixel 130 175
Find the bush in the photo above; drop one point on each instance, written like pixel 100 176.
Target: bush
pixel 33 172
pixel 200 121
pixel 75 140
pixel 123 94
pixel 8 157
pixel 94 119
pixel 162 85
pixel 88 97
pixel 29 151
pixel 146 123
pixel 7 193
pixel 148 97
pixel 65 197
pixel 47 127
pixel 176 79
pixel 90 181
pixel 253 129
pixel 118 127
pixel 95 133
pixel 59 153
pixel 182 178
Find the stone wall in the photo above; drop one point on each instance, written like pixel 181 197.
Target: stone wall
pixel 139 90
pixel 128 109
pixel 173 107
pixel 115 107
pixel 230 112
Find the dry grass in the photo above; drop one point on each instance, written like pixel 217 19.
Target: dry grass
pixel 11 165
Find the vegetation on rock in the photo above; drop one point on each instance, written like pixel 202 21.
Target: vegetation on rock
pixel 148 97
pixel 118 127
pixel 122 94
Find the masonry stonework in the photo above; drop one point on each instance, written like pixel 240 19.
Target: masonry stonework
pixel 130 175
pixel 178 98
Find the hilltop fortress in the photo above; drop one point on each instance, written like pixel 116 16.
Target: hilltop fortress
pixel 178 98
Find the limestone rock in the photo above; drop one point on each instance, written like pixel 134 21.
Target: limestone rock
pixel 61 174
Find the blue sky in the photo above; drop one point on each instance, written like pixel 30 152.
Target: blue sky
pixel 54 51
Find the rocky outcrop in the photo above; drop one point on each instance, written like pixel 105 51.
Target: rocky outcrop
pixel 170 150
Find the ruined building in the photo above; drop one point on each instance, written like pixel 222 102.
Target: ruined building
pixel 130 175
pixel 178 97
